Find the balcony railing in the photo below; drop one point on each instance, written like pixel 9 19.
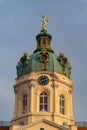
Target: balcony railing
pixel 5 123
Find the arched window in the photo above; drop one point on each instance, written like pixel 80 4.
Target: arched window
pixel 62 104
pixel 24 103
pixel 43 102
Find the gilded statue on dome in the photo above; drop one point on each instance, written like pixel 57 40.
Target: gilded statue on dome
pixel 44 22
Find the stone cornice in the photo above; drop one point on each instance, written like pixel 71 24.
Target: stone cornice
pixel 63 82
pixel 23 82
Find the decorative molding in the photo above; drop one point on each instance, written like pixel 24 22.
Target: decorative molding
pixel 52 74
pixel 63 91
pixel 54 85
pixel 23 89
pixel 31 85
pixel 42 89
pixel 21 83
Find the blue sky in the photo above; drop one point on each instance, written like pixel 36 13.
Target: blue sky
pixel 20 22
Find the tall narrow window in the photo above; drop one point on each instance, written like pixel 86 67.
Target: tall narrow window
pixel 43 102
pixel 25 103
pixel 62 104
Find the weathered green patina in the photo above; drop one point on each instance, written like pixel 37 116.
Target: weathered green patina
pixel 43 58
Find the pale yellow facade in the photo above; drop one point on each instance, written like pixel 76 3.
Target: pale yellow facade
pixel 42 123
pixel 28 85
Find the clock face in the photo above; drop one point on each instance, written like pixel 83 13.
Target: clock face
pixel 43 80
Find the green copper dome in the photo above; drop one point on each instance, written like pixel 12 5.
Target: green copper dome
pixel 43 58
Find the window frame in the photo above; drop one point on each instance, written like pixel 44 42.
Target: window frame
pixel 43 102
pixel 62 104
pixel 25 103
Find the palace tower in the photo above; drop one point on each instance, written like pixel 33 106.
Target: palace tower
pixel 43 88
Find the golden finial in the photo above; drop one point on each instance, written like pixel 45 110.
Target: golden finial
pixel 44 22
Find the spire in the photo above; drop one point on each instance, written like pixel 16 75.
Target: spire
pixel 43 38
